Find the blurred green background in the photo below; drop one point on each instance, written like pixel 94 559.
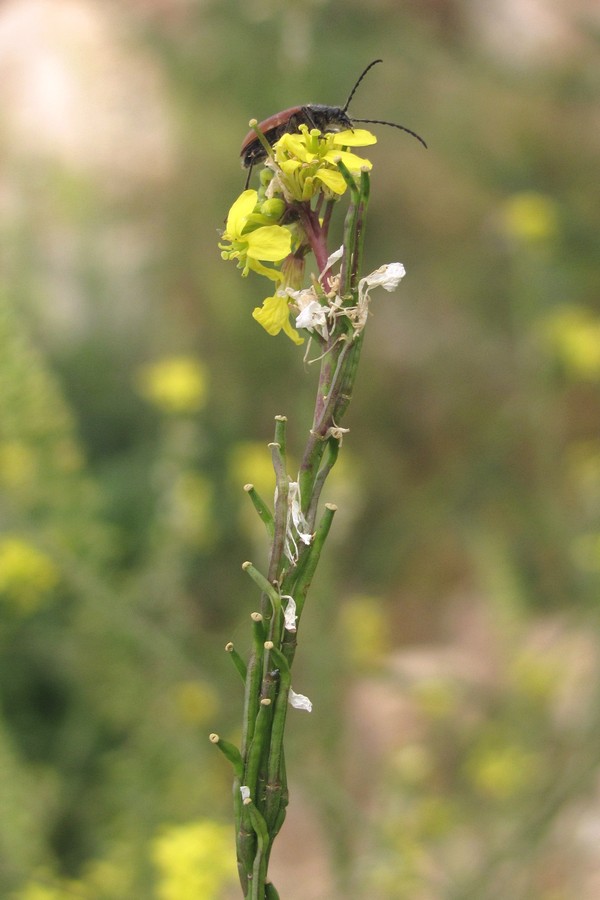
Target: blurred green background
pixel 451 646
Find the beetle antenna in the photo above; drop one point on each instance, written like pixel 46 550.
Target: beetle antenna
pixel 393 125
pixel 353 91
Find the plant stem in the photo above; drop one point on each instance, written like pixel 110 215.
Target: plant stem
pixel 260 765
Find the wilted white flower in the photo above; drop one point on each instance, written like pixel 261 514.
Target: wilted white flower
pixel 388 277
pixel 297 526
pixel 312 316
pixel 299 701
pixel 300 523
pixel 289 614
pixel 331 260
pixel 337 432
pixel 245 792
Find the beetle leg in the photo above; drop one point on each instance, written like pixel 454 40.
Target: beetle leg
pixel 307 118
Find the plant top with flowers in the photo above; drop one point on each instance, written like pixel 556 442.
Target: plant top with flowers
pixel 271 232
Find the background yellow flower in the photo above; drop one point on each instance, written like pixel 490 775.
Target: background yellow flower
pixel 175 384
pixel 27 575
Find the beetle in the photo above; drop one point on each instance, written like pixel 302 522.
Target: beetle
pixel 314 115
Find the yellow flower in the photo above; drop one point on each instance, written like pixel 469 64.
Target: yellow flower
pixel 110 878
pixel 250 462
pixel 365 629
pixel 252 240
pixel 26 574
pixel 536 674
pixel 500 771
pixel 583 470
pixel 191 509
pixel 414 763
pixel 176 384
pixel 573 333
pixel 585 551
pixel 49 888
pixel 530 217
pixel 437 697
pixel 308 160
pixel 102 878
pixel 196 701
pixel 18 464
pixel 274 316
pixel 194 860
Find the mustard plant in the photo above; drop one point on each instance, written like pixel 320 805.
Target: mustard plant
pixel 271 231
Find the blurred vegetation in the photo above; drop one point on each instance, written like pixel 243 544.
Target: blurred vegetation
pixel 136 393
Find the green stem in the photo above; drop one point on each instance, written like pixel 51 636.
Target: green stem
pixel 257 747
pixel 264 513
pixel 282 486
pixel 304 581
pixel 347 387
pixel 273 606
pixel 350 228
pixel 259 869
pixel 237 661
pixel 330 385
pixel 281 435
pixel 299 588
pixel 273 785
pixel 245 838
pixel 260 766
pixel 331 455
pixel 253 682
pixel 231 752
pixel 265 586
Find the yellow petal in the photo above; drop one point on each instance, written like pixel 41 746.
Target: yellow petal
pixel 295 145
pixel 360 137
pixel 332 179
pixel 239 213
pixel 273 315
pixel 292 333
pixel 289 166
pixel 271 243
pixel 266 271
pixel 352 162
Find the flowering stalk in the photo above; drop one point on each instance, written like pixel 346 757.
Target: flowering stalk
pixel 305 175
